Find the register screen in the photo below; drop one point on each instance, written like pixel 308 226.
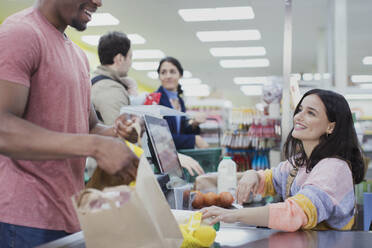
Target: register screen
pixel 163 146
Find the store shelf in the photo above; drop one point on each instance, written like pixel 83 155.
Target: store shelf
pixel 367 132
pixel 365 118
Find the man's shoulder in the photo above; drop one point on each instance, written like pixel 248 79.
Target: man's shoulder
pixel 106 83
pixel 21 24
pixel 24 18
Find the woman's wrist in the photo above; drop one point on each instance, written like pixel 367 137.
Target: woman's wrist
pixel 193 123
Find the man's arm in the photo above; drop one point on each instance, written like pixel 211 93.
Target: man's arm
pixel 20 139
pixel 97 128
pixel 123 127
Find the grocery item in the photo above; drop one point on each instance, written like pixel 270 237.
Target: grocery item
pixel 200 200
pixel 152 99
pixel 227 181
pixel 196 235
pixel 226 199
pixel 211 199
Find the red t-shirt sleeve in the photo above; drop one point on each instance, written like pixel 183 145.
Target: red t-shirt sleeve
pixel 19 53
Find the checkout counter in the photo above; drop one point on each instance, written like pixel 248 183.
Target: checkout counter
pixel 238 235
pixel 241 235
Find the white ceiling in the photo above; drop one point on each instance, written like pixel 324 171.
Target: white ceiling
pixel 158 21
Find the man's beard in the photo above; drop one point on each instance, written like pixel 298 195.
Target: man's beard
pixel 79 26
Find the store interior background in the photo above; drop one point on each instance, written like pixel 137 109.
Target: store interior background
pixel 315 55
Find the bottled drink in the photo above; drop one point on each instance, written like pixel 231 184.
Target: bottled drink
pixel 226 180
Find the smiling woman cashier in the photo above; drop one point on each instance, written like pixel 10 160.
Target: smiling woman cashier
pixel 185 132
pixel 324 161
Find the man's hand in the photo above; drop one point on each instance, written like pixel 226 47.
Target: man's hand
pixel 116 158
pixel 124 127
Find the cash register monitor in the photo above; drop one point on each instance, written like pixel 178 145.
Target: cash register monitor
pixel 162 147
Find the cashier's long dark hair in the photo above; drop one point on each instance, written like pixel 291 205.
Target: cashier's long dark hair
pixel 341 143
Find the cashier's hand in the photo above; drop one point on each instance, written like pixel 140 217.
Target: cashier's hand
pixel 116 158
pixel 125 127
pixel 190 164
pixel 200 142
pixel 247 184
pixel 220 214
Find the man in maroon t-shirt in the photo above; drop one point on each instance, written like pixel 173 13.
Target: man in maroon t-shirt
pixel 48 124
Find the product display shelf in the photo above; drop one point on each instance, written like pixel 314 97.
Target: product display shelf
pixel 217 113
pixel 250 138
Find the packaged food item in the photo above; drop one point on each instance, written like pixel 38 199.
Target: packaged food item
pixel 152 98
pixel 200 200
pixel 225 199
pixel 196 234
pixel 211 199
pixel 227 180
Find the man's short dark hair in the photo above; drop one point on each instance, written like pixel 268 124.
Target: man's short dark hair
pixel 110 45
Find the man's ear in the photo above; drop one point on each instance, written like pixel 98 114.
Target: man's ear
pixel 331 127
pixel 118 59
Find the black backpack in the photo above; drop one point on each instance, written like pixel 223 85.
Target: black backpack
pixel 95 80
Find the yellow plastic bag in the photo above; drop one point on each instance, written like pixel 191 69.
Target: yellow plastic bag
pixel 136 149
pixel 196 235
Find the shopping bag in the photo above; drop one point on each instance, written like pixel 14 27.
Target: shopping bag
pixel 124 216
pixel 101 179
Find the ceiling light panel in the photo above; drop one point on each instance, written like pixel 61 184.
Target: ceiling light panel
pixel 232 35
pixel 296 76
pixel 103 19
pixel 189 81
pixel 145 66
pixel 365 86
pixel 361 78
pixel 244 63
pixel 91 39
pixel 237 51
pixel 251 90
pixel 153 74
pixel 187 74
pixel 216 14
pixel 317 76
pixel 136 39
pixel 94 39
pixel 307 76
pixel 196 90
pixel 367 60
pixel 251 80
pixel 358 96
pixel 148 54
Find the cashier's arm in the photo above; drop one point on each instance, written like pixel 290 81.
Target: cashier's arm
pixel 256 216
pixel 21 139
